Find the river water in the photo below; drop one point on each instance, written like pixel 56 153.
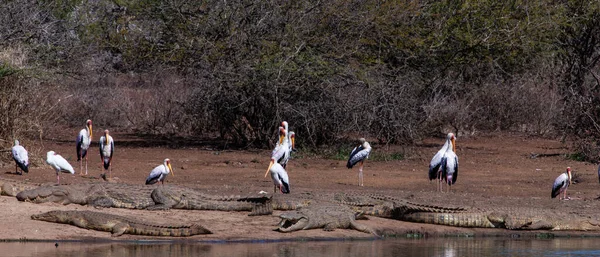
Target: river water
pixel 446 247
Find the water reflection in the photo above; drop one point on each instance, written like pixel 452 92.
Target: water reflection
pixel 443 247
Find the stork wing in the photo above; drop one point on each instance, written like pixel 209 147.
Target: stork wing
pixel 560 182
pixel 357 155
pixel 155 174
pixel 101 146
pixel 112 147
pixel 63 164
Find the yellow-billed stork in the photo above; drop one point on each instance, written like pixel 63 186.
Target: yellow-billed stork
pixel 107 148
pixel 358 155
pixel 84 139
pixel 280 178
pixel 281 152
pixel 444 164
pixel 561 183
pixel 160 173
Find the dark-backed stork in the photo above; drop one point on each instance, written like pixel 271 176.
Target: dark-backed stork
pixel 444 165
pixel 84 139
pixel 59 164
pixel 358 155
pixel 561 183
pixel 160 173
pixel 21 158
pixel 280 178
pixel 107 148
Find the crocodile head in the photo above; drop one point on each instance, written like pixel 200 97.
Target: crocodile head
pixel 292 221
pixel 51 216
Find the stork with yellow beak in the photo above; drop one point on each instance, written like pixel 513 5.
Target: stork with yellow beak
pixel 444 164
pixel 84 139
pixel 107 148
pixel 281 152
pixel 561 184
pixel 159 174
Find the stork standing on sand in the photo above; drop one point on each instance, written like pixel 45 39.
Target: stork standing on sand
pixel 84 139
pixel 444 164
pixel 160 173
pixel 561 183
pixel 358 155
pixel 21 159
pixel 59 164
pixel 280 178
pixel 107 148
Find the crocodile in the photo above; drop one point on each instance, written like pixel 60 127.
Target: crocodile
pixel 168 197
pixel 118 225
pixel 328 217
pixel 384 206
pixel 507 218
pixel 93 194
pixel 10 187
pixel 145 197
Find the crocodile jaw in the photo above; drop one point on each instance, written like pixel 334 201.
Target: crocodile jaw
pixel 289 225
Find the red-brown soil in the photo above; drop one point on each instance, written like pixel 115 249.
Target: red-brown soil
pixel 495 170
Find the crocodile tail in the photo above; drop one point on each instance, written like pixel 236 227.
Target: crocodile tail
pixel 197 229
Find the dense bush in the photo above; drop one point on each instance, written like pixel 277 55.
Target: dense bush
pixel 395 71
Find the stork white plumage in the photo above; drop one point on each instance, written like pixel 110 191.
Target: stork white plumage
pixel 358 155
pixel 279 139
pixel 561 183
pixel 287 154
pixel 281 152
pixel 107 148
pixel 444 164
pixel 280 178
pixel 21 158
pixel 84 139
pixel 160 173
pixel 59 164
pixel 284 124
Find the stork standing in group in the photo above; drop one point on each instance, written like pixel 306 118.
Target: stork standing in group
pixel 561 183
pixel 21 159
pixel 84 139
pixel 280 178
pixel 444 165
pixel 281 152
pixel 159 174
pixel 59 164
pixel 287 155
pixel 358 155
pixel 107 148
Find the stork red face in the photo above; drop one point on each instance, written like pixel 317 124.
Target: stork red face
pixel 168 163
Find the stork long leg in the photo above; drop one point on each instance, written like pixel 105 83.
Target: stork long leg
pixel 86 165
pixel 360 174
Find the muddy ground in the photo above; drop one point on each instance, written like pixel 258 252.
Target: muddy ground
pixel 495 170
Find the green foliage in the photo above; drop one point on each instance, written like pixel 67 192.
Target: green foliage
pixel 7 70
